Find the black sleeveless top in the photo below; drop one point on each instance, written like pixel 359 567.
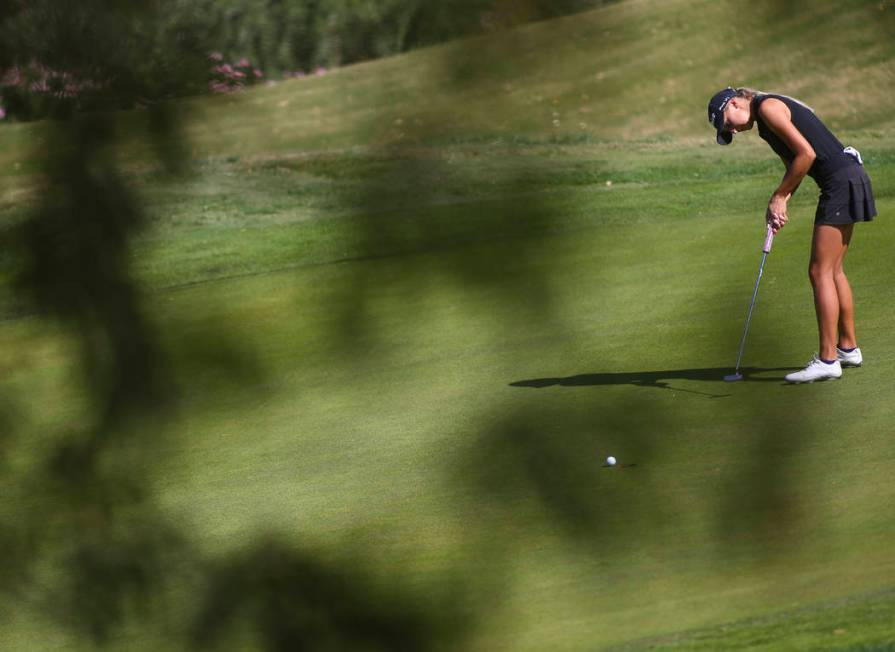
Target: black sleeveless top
pixel 830 156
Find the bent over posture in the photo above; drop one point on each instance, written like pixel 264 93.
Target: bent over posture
pixel 807 147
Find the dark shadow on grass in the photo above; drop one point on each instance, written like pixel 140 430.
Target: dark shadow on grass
pixel 652 378
pixel 297 601
pixel 540 466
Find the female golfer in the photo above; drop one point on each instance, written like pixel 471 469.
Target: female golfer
pixel 806 146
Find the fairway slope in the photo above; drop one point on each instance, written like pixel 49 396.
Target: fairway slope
pixel 632 70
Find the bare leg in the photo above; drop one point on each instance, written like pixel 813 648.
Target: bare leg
pixel 832 293
pixel 847 338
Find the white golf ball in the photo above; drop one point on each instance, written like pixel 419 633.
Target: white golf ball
pixel 610 461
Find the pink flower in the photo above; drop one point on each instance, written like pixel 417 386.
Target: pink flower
pixel 2 113
pixel 215 56
pixel 13 77
pixel 258 73
pixel 243 63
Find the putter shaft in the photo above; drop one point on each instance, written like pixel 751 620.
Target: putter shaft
pixel 764 256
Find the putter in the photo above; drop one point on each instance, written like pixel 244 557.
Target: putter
pixel 736 375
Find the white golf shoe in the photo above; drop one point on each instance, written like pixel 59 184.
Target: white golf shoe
pixel 851 358
pixel 817 369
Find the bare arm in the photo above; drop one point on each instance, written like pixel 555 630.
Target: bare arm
pixel 779 119
pixel 786 167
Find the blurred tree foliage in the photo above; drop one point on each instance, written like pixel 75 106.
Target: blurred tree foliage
pixel 60 56
pixel 290 35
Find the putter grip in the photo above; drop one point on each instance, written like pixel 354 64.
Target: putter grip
pixel 769 240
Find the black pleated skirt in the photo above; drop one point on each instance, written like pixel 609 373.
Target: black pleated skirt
pixel 846 197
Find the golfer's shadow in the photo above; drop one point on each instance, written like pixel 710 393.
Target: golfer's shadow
pixel 656 378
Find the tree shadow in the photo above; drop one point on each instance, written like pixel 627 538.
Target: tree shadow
pixel 539 465
pixel 294 600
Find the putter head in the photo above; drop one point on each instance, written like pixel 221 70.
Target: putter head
pixel 732 378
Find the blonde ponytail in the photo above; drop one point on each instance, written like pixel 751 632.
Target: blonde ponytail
pixel 750 93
